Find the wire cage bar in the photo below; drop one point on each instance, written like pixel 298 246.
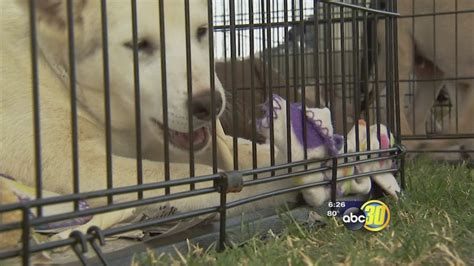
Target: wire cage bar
pixel 312 54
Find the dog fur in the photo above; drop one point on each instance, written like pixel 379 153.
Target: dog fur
pixel 7 197
pixel 16 116
pixel 429 52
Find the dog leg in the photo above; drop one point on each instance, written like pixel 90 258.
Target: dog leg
pixel 406 53
pixel 154 172
pixel 405 61
pixel 465 109
pixel 425 95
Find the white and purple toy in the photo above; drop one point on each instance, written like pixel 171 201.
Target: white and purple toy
pixel 322 143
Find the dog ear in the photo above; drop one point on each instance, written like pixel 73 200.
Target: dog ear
pixel 54 12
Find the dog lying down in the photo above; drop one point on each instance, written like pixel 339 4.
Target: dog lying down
pixel 14 191
pixel 58 144
pixel 322 143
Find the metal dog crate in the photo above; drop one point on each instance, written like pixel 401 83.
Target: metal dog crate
pixel 313 52
pixel 444 122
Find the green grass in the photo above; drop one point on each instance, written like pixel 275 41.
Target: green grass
pixel 432 224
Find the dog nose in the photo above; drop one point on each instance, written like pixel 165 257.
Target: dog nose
pixel 202 105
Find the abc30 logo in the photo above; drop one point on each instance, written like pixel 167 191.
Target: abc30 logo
pixel 374 216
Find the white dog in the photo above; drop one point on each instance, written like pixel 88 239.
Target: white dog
pixel 17 132
pixel 428 49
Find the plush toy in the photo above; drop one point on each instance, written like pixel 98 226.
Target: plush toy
pixel 386 180
pixel 322 143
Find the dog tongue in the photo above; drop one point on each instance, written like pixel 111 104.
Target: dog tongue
pixel 199 136
pixel 182 139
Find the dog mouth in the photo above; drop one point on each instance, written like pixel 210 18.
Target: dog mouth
pixel 182 140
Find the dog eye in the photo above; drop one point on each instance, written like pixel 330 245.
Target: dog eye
pixel 201 32
pixel 143 45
